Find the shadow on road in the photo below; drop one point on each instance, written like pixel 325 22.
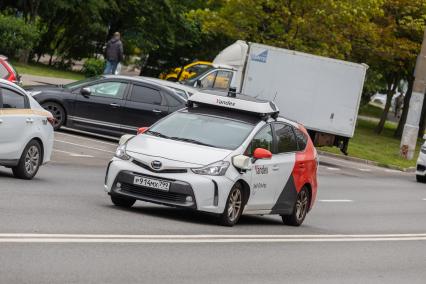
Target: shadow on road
pixel 196 217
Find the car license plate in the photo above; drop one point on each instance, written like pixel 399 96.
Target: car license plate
pixel 152 183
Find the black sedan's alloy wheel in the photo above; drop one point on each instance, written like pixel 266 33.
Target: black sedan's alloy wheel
pixel 58 113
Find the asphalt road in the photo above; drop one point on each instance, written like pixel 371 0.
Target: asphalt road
pixel 368 225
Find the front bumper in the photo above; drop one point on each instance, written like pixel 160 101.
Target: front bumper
pixel 180 193
pixel 208 193
pixel 421 164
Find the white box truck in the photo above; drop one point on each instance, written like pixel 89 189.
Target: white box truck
pixel 321 93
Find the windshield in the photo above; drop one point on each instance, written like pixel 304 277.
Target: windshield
pixel 81 82
pixel 202 129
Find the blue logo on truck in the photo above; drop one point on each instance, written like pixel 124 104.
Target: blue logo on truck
pixel 261 57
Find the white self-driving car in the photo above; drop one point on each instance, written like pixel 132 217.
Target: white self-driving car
pixel 26 132
pixel 225 155
pixel 421 163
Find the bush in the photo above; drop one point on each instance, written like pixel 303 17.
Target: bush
pixel 93 67
pixel 16 35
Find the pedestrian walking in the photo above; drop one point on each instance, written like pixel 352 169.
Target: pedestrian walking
pixel 113 54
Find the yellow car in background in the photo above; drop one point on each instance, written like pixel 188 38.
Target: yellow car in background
pixel 193 69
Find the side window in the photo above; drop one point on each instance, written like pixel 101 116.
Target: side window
pixel 286 140
pixel 3 72
pixel 301 139
pixel 208 81
pixel 263 139
pixel 145 95
pixel 113 90
pixel 223 79
pixel 11 99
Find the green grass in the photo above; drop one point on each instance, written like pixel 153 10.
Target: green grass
pixel 47 71
pixel 383 148
pixel 371 111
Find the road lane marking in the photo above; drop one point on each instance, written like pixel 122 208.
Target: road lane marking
pixel 392 171
pixel 333 169
pixel 73 154
pixel 335 200
pixel 84 146
pixel 85 138
pixel 98 238
pixel 424 199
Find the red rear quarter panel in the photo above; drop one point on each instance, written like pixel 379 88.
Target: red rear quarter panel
pixel 305 168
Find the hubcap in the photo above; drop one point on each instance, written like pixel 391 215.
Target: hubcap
pixel 56 112
pixel 234 205
pixel 32 160
pixel 301 205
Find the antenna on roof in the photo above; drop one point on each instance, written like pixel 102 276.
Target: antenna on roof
pixel 232 93
pixel 276 93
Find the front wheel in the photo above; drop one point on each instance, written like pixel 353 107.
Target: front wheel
pixel 30 161
pixel 300 210
pixel 234 206
pixel 124 202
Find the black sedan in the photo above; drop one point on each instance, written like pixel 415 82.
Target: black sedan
pixel 110 105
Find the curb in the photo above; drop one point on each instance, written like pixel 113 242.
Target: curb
pixel 366 162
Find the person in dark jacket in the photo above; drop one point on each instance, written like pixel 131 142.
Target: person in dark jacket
pixel 113 54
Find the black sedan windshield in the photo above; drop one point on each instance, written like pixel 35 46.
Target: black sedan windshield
pixel 82 82
pixel 203 129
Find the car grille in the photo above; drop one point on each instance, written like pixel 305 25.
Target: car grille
pixel 165 171
pixel 153 193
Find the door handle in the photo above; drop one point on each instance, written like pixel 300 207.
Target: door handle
pixel 29 120
pixel 156 111
pixel 114 105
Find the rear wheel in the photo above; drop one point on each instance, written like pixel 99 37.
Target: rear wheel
pixel 421 179
pixel 124 202
pixel 234 206
pixel 58 113
pixel 300 210
pixel 30 161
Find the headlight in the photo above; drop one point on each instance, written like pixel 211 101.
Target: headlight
pixel 121 152
pixel 33 93
pixel 215 169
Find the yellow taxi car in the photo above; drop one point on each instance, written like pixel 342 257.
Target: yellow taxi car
pixel 191 70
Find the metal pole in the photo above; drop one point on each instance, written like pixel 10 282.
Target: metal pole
pixel 411 128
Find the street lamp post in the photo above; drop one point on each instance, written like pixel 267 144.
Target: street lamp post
pixel 411 127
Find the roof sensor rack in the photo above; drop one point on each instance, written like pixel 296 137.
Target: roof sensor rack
pixel 232 101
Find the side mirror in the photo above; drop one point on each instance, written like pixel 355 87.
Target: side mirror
pixel 241 162
pixel 125 138
pixel 142 130
pixel 85 92
pixel 260 153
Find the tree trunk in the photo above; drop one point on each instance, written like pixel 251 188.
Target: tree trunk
pixel 422 122
pixel 403 119
pixel 389 95
pixel 50 59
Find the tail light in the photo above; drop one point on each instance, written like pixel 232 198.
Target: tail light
pixel 51 120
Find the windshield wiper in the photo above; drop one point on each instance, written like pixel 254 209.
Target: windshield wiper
pixel 157 134
pixel 191 141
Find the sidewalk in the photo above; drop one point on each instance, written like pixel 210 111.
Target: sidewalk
pixel 40 80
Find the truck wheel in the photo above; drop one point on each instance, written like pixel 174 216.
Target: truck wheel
pixel 124 202
pixel 30 161
pixel 234 207
pixel 421 179
pixel 58 113
pixel 300 209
